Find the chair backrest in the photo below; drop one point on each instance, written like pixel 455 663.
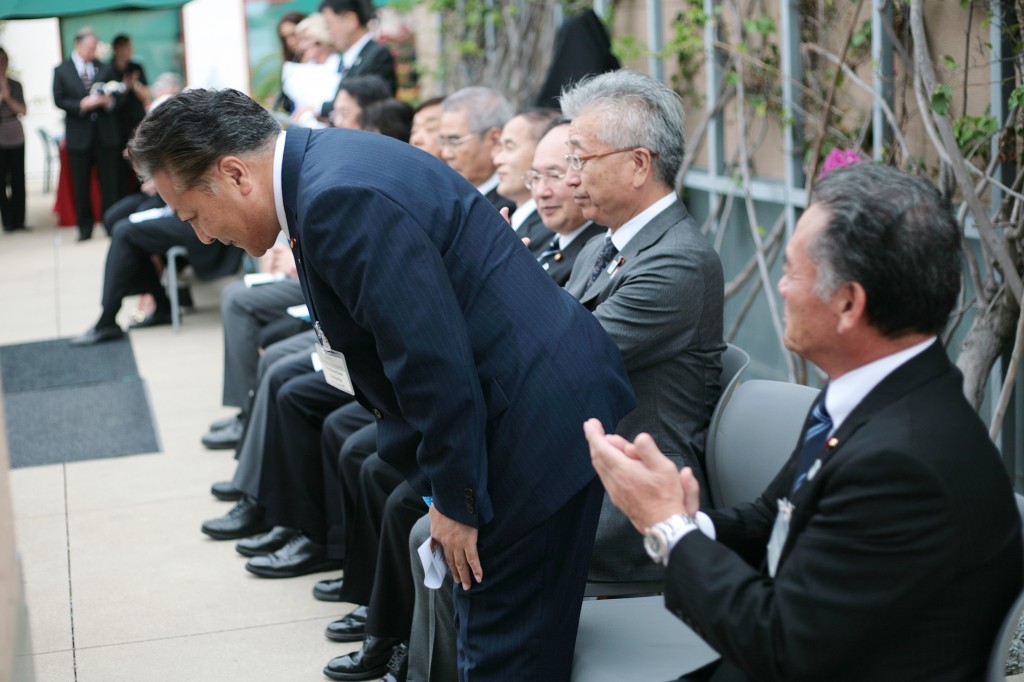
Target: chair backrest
pixel 1004 638
pixel 753 437
pixel 734 361
pixel 49 144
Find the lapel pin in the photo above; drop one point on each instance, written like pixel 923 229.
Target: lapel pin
pixel 832 443
pixel 558 257
pixel 293 243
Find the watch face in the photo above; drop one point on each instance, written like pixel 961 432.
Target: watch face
pixel 654 545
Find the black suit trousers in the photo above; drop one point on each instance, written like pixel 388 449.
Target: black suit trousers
pixel 292 483
pixel 349 433
pixel 107 161
pixel 376 479
pixel 12 177
pixel 394 594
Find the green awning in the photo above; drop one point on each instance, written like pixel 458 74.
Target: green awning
pixel 37 9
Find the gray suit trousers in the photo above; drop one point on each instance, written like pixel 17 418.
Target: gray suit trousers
pixel 250 450
pixel 244 312
pixel 433 651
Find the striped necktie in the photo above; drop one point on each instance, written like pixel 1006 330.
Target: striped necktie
pixel 814 442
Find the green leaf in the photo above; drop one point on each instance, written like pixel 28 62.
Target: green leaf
pixel 941 98
pixel 1017 97
pixel 949 63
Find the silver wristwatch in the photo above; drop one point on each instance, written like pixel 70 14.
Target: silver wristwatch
pixel 660 538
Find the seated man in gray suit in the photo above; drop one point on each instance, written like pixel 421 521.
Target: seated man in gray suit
pixel 653 282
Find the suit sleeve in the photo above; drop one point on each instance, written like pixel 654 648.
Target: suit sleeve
pixel 879 540
pixel 395 284
pixel 63 96
pixel 655 311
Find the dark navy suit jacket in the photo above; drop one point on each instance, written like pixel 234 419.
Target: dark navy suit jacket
pixel 453 333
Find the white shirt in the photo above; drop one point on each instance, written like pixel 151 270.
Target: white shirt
pixel 630 228
pixel 522 212
pixel 488 184
pixel 84 68
pixel 349 56
pixel 565 239
pixel 278 189
pixel 846 393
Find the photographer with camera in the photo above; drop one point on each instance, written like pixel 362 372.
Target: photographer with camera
pixel 92 136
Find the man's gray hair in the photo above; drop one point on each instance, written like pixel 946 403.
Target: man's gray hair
pixel 486 107
pixel 895 235
pixel 186 135
pixel 636 111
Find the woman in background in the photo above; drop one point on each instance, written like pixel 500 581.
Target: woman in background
pixel 12 150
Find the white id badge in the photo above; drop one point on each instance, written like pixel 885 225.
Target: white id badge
pixel 335 369
pixel 779 533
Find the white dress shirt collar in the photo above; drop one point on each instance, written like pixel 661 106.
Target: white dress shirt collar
pixel 81 65
pixel 522 212
pixel 349 56
pixel 848 391
pixel 630 228
pixel 278 189
pixel 488 184
pixel 565 239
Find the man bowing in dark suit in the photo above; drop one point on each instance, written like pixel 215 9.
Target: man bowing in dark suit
pixel 432 313
pixel 889 546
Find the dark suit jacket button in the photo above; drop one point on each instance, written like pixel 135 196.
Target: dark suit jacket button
pixel 376 413
pixel 470 509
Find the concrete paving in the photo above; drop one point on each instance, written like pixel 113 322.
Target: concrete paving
pixel 120 583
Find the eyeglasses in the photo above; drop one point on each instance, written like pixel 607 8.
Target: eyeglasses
pixel 577 161
pixel 452 141
pixel 533 178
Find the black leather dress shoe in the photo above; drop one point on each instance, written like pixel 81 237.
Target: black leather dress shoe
pixel 244 519
pixel 368 663
pixel 351 628
pixel 83 237
pixel 154 319
pixel 226 422
pixel 328 590
pixel 226 491
pixel 398 665
pixel 226 438
pixel 98 335
pixel 258 545
pixel 300 556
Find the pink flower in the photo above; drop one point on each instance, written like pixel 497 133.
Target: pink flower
pixel 837 158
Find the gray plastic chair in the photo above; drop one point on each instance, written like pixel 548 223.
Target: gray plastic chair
pixel 734 361
pixel 1004 639
pixel 635 639
pixel 752 437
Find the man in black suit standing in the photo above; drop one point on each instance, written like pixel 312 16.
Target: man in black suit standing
pixel 361 55
pixel 889 546
pixel 92 136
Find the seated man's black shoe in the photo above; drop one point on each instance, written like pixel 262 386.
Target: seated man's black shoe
pixel 226 491
pixel 226 438
pixel 369 663
pixel 351 628
pixel 398 665
pixel 300 556
pixel 226 422
pixel 244 519
pixel 258 545
pixel 154 319
pixel 328 590
pixel 98 335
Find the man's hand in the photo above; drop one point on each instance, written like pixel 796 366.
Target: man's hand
pixel 459 544
pixel 640 480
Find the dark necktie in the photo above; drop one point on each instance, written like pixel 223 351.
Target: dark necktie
pixel 552 250
pixel 814 442
pixel 603 259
